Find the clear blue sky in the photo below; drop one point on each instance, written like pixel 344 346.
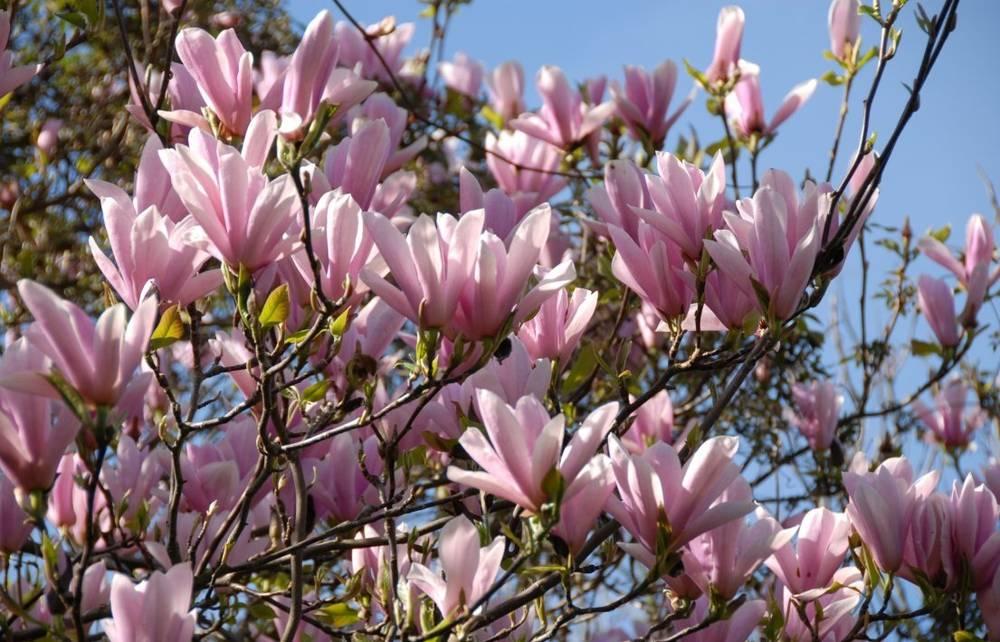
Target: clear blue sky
pixel 934 174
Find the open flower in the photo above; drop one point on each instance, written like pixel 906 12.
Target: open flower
pixel 744 106
pixel 645 99
pixel 663 504
pixel 97 360
pixel 564 119
pixel 431 265
pixel 223 72
pixel 469 571
pixel 34 430
pixel 11 77
pixel 949 422
pixel 156 609
pixel 237 214
pixel 525 450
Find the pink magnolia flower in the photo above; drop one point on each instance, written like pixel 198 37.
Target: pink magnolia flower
pixel 881 507
pixel 645 99
pixel 469 571
pixel 223 71
pixel 341 243
pixel 593 94
pixel 525 168
pixel 48 138
pixel 991 476
pixel 463 75
pixel 949 422
pixel 819 550
pixel 989 604
pixel 938 307
pixel 370 334
pixel 34 430
pixel 654 269
pixel 154 610
pixel 772 242
pixel 728 38
pixel 499 211
pixel 152 184
pixel 564 120
pixel 148 248
pixel 61 504
pixel 720 561
pixel 618 200
pixel 583 502
pixel 829 615
pixel 653 423
pixel 431 265
pixel 686 203
pixel 341 490
pixel 311 77
pixel 525 447
pixel 381 106
pixel 498 285
pixel 744 106
pixel 306 76
pixel 973 273
pixel 355 164
pixel 518 375
pixel 728 301
pixel 554 333
pixel 974 533
pixel 11 77
pixel 657 493
pixel 844 23
pixel 386 37
pixel 929 551
pixel 209 478
pixel 817 409
pixel 738 627
pixel 97 360
pixel 133 476
pixel 15 525
pixel 371 564
pixel 269 79
pixel 186 102
pixel 237 215
pixel 506 85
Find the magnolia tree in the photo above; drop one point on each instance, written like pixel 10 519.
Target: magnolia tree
pixel 384 352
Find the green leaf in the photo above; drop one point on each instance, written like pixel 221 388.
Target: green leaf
pixel 169 330
pixel 553 484
pixel 297 337
pixel 583 367
pixel 89 8
pixel 941 234
pixel 871 12
pixel 339 325
pixel 76 18
pixel 276 307
pixel 261 611
pixel 696 74
pixel 832 78
pixel 338 615
pixel 316 391
pixel 491 116
pixel 763 296
pixel 965 636
pixel 924 348
pixel 69 394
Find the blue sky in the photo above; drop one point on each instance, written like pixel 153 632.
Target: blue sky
pixel 934 174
